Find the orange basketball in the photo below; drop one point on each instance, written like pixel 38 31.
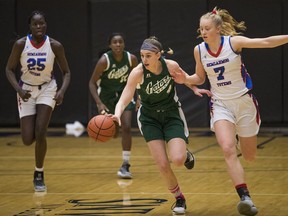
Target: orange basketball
pixel 101 128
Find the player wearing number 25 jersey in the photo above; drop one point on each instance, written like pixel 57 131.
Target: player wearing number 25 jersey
pixel 37 91
pixel 37 62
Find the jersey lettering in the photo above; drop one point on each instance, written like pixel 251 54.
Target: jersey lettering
pixel 217 62
pixel 36 64
pixel 119 73
pixel 220 70
pixel 159 86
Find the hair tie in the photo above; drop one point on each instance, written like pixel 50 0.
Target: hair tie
pixel 214 11
pixel 170 51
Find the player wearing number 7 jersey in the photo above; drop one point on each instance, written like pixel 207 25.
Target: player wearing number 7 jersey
pixel 37 91
pixel 234 110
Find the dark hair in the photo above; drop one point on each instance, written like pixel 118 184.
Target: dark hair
pixel 36 12
pixel 111 36
pixel 115 34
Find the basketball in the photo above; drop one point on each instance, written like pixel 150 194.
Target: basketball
pixel 101 128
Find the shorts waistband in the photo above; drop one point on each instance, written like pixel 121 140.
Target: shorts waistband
pixel 248 92
pixel 160 110
pixel 39 86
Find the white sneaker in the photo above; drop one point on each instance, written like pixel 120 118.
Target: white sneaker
pixel 246 206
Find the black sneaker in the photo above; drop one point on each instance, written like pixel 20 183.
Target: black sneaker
pixel 124 172
pixel 190 161
pixel 39 185
pixel 179 206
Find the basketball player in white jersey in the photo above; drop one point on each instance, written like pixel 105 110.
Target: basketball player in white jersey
pixel 37 92
pixel 234 110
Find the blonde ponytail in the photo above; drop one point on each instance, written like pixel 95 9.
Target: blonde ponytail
pixel 222 18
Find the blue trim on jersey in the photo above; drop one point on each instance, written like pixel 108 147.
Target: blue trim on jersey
pixel 37 46
pixel 30 37
pixel 200 53
pixel 246 77
pixel 219 49
pixel 231 45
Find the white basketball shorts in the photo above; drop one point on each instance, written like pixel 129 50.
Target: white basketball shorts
pixel 243 112
pixel 43 95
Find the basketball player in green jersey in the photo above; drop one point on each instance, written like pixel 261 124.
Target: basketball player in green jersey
pixel 106 85
pixel 160 116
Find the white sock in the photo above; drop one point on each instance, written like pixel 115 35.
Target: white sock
pixel 126 155
pixel 39 169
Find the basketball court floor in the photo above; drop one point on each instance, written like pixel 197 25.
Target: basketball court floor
pixel 80 175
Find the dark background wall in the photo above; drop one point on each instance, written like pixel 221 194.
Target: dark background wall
pixel 83 27
pixel 67 23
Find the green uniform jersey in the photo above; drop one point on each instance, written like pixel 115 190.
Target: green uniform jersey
pixel 115 76
pixel 114 79
pixel 157 92
pixel 160 115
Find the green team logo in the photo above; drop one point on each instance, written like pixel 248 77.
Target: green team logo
pixel 121 73
pixel 159 86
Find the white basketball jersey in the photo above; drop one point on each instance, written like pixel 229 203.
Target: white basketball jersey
pixel 37 62
pixel 225 70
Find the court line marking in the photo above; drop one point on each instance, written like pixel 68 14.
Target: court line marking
pixel 140 193
pixel 134 156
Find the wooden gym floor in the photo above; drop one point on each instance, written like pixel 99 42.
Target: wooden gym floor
pixel 81 178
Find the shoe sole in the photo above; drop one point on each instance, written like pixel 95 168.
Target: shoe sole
pixel 124 176
pixel 179 213
pixel 40 189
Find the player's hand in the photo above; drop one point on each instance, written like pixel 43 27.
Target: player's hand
pixel 200 92
pixel 24 94
pixel 115 118
pixel 179 77
pixel 59 97
pixel 117 123
pixel 102 109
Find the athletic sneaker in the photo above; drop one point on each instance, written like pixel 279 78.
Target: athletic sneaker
pixel 190 161
pixel 124 172
pixel 179 206
pixel 39 185
pixel 246 206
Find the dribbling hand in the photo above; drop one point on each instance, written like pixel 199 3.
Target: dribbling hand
pixel 117 122
pixel 115 118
